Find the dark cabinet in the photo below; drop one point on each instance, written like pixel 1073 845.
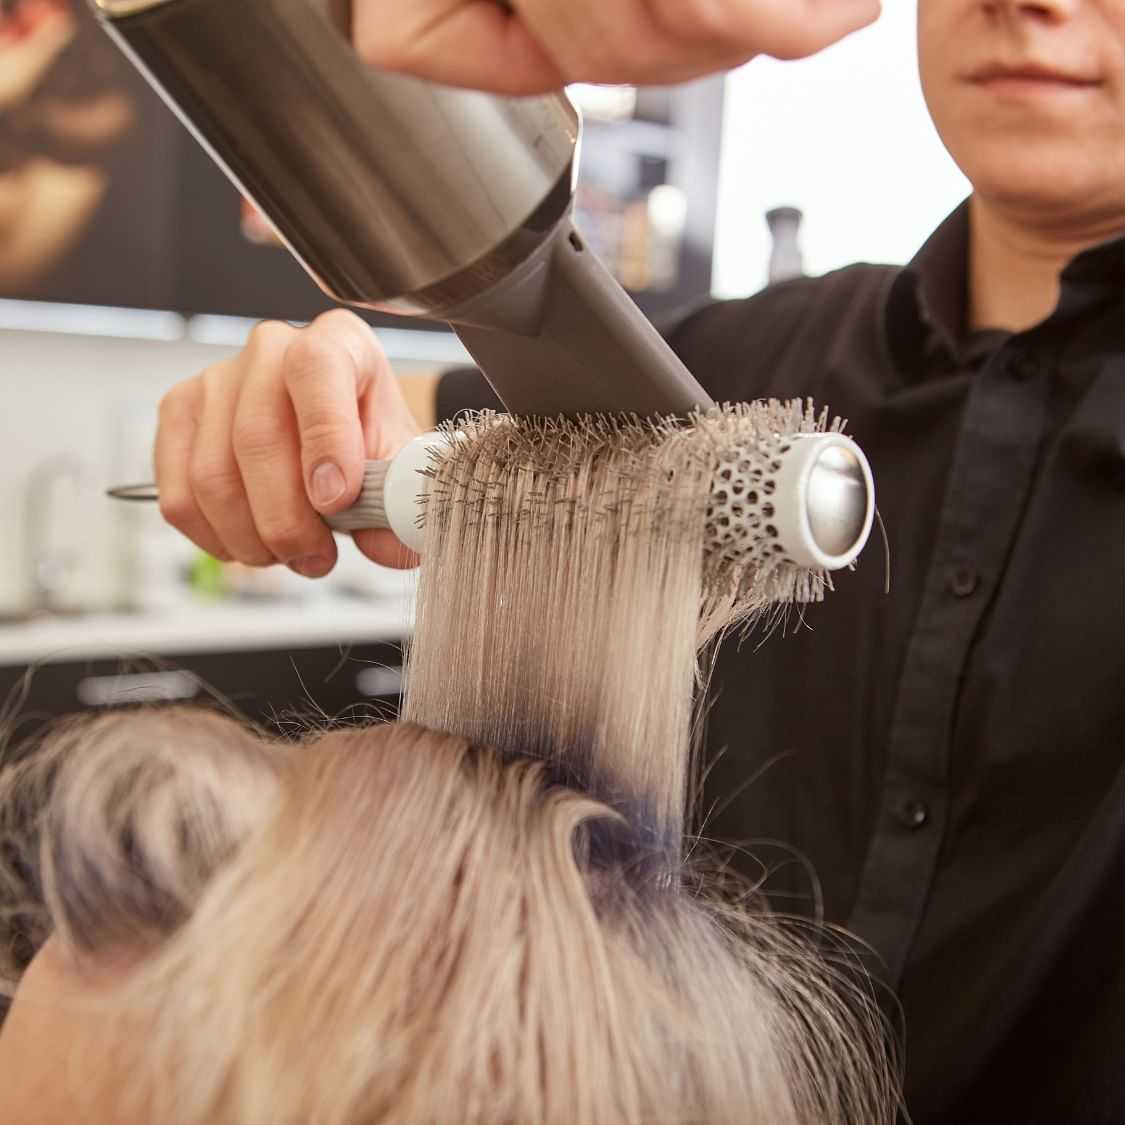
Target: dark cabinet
pixel 283 690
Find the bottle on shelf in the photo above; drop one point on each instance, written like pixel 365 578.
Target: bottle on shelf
pixel 786 259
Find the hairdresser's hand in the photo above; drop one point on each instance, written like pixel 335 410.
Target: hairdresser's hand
pixel 250 452
pixel 530 46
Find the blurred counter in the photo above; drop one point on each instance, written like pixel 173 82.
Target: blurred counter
pixel 220 627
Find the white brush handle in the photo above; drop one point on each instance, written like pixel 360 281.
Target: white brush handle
pixel 393 492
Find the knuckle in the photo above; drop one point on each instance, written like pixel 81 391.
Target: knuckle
pixel 338 351
pixel 269 334
pixel 325 429
pixel 356 333
pixel 257 559
pixel 336 333
pixel 174 403
pixel 258 436
pixel 338 318
pixel 179 510
pixel 287 539
pixel 215 476
pixel 310 351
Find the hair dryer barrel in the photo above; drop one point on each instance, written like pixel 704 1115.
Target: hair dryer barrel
pixel 395 194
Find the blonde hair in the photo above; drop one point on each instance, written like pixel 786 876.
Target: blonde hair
pixel 427 925
pixel 570 579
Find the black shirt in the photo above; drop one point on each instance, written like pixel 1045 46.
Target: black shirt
pixel 941 768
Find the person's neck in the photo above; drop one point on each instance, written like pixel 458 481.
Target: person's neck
pixel 1014 267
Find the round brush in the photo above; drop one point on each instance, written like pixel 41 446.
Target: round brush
pixel 808 498
pixel 784 489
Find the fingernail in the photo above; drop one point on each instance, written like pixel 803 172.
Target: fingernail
pixel 312 566
pixel 327 483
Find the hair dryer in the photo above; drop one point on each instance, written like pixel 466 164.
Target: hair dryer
pixel 408 197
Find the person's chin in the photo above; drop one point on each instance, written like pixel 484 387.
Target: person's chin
pixel 1050 176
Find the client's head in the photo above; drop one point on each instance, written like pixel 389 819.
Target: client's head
pixel 383 926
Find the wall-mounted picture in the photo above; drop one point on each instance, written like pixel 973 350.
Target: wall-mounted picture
pixel 105 199
pixel 86 175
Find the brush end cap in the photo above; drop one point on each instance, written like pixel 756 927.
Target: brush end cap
pixel 830 478
pixel 407 485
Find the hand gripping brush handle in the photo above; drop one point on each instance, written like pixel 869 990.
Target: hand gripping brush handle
pixel 811 494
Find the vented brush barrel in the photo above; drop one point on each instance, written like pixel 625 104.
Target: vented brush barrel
pixel 809 499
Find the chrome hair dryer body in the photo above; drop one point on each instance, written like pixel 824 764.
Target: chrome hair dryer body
pixel 400 195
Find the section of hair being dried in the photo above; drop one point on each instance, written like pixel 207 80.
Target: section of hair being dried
pixel 572 570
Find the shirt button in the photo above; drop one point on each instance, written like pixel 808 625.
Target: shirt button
pixel 962 581
pixel 912 814
pixel 1023 368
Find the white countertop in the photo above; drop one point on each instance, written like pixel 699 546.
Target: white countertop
pixel 227 626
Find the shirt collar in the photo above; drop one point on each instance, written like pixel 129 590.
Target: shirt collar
pixel 926 306
pixel 1104 263
pixel 926 310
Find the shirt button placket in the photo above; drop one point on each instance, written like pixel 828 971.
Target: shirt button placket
pixel 993 467
pixel 1024 368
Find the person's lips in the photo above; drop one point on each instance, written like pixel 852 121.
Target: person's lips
pixel 1030 76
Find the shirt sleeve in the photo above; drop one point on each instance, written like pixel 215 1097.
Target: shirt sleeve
pixel 738 349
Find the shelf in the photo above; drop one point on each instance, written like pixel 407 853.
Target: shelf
pixel 409 345
pixel 200 627
pixel 404 344
pixel 90 320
